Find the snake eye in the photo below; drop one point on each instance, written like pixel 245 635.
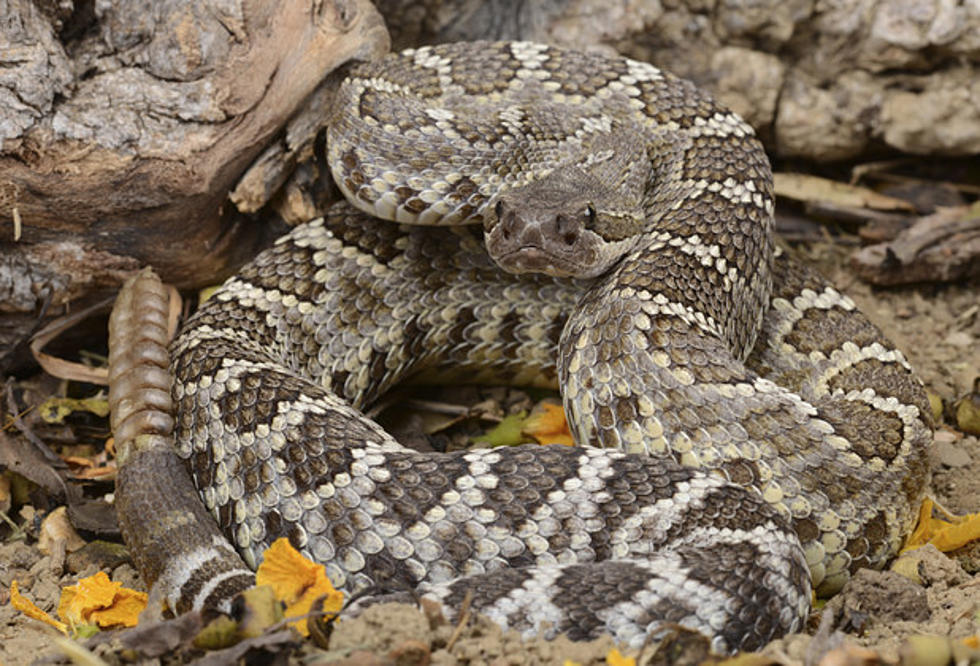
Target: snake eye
pixel 498 209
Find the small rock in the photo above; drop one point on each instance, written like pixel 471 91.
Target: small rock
pixel 928 566
pixel 24 578
pixel 17 554
pixel 959 339
pixel 46 593
pixel 101 554
pixel 357 658
pixel 946 435
pixel 882 596
pixel 381 628
pixel 950 455
pixel 411 653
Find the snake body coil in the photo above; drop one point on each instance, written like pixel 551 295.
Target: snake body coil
pixel 629 221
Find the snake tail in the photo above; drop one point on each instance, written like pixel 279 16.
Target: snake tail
pixel 175 543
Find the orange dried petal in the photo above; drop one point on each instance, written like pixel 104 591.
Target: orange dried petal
pixel 321 588
pixel 956 534
pixel 99 600
pixel 548 425
pixel 285 570
pixel 922 532
pixel 296 581
pixel 614 658
pixel 30 609
pixel 946 535
pixel 88 594
pixel 124 611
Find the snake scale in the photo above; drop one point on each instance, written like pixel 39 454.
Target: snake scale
pixel 744 432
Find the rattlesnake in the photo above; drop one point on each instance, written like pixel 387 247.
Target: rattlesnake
pixel 630 220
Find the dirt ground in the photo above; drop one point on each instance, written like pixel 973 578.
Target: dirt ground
pixel 938 327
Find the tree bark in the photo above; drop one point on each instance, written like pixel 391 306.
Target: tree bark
pixel 124 125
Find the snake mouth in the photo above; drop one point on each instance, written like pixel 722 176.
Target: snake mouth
pixel 546 233
pixel 525 243
pixel 536 259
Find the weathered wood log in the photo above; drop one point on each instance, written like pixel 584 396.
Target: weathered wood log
pixel 122 132
pixel 942 247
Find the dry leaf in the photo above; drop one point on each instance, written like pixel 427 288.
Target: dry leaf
pixel 802 187
pixel 296 581
pixel 908 566
pixel 936 405
pixel 95 465
pixel 102 472
pixel 926 651
pixel 967 410
pixel 56 527
pixel 931 650
pixel 56 409
pixel 218 634
pixel 98 600
pixel 506 433
pixel 260 610
pixel 30 609
pixel 60 367
pixel 206 293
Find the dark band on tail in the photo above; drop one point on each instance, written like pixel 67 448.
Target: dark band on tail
pixel 175 543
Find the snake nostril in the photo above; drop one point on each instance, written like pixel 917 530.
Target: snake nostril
pixel 566 229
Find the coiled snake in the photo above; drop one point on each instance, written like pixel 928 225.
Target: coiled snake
pixel 743 430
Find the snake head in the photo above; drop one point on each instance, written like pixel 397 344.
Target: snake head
pixel 558 228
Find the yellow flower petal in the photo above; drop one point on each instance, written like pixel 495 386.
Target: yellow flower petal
pixel 85 596
pixel 920 536
pixel 124 611
pixel 285 570
pixel 297 582
pixel 547 424
pixel 957 535
pixel 946 535
pixel 30 609
pixel 98 600
pixel 614 658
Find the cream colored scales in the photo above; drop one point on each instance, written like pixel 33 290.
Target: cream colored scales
pixel 674 329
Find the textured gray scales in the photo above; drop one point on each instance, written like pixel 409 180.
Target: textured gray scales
pixel 687 342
